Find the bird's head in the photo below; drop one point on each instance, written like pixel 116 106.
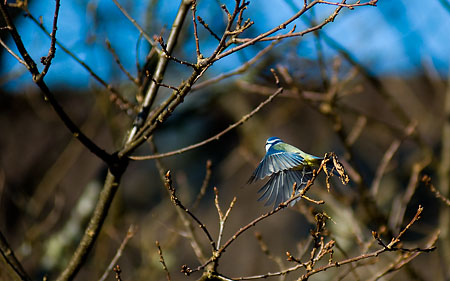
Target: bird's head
pixel 271 142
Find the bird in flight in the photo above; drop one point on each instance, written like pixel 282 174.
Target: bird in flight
pixel 284 164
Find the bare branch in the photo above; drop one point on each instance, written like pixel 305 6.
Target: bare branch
pixel 427 180
pixel 11 260
pixel 141 30
pixel 46 61
pixel 130 233
pixel 163 263
pixel 178 203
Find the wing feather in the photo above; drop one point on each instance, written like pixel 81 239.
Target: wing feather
pixel 275 163
pixel 278 188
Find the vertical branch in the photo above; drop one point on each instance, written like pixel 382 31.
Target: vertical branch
pixel 444 179
pixel 46 61
pixel 194 22
pixel 95 224
pixel 160 68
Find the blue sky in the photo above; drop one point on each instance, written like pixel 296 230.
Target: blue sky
pixel 397 37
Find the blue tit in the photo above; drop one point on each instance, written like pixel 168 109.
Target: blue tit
pixel 284 164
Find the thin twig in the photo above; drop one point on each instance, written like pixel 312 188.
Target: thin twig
pixel 141 30
pixel 116 58
pixel 222 217
pixel 16 56
pixel 194 22
pixel 427 180
pixel 178 203
pixel 130 233
pixel 350 6
pixel 204 185
pixel 166 86
pixel 206 26
pixel 410 129
pixel 163 263
pixel 46 61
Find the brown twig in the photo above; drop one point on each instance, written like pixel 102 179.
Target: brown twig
pixel 130 233
pixel 409 130
pixel 206 26
pixel 166 86
pixel 170 57
pixel 46 61
pixel 178 203
pixel 141 30
pixel 158 75
pixel 116 58
pixel 194 240
pixel 11 260
pixel 163 263
pixel 16 56
pixel 194 23
pixel 350 6
pixel 222 217
pixel 204 185
pixel 427 180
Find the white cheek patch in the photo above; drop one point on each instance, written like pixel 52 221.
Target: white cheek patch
pixel 268 145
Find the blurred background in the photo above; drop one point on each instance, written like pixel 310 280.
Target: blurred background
pixel 372 86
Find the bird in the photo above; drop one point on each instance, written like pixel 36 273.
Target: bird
pixel 284 164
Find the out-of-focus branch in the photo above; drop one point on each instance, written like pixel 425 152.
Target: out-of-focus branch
pixel 138 27
pixel 11 260
pixel 191 234
pixel 205 184
pixel 130 233
pixel 427 180
pixel 116 58
pixel 162 261
pixel 387 158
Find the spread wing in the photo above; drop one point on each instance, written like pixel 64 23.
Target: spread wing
pixel 279 187
pixel 275 163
